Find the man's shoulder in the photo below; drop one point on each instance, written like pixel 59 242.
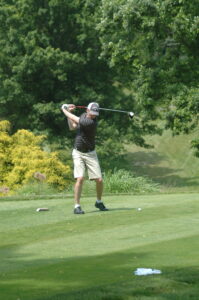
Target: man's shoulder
pixel 83 115
pixel 84 121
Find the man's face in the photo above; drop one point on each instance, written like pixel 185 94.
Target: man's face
pixel 90 115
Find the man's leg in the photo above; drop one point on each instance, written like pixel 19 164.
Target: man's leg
pixel 79 170
pixel 78 189
pixel 94 173
pixel 99 188
pixel 77 195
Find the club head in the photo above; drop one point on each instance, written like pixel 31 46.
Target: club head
pixel 131 115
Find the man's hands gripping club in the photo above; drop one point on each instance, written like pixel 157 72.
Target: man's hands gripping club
pixel 68 107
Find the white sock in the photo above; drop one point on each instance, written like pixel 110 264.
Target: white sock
pixel 99 201
pixel 77 205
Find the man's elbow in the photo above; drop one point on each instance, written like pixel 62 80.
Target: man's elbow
pixel 76 120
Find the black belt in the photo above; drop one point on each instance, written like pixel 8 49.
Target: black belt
pixel 83 151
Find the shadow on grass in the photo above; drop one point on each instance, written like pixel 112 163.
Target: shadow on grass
pixel 101 277
pixel 181 284
pixel 144 163
pixel 110 209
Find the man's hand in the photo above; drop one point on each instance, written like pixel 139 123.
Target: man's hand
pixel 68 107
pixel 72 119
pixel 71 107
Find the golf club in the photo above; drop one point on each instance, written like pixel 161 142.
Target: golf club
pixel 129 113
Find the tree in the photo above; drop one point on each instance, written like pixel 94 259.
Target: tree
pixel 49 55
pixel 135 55
pixel 153 45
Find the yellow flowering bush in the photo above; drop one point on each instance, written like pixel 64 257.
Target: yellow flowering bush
pixel 5 143
pixel 21 157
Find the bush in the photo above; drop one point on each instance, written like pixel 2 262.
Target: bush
pixel 21 156
pixel 121 181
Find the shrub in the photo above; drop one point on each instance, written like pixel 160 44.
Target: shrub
pixel 21 156
pixel 122 181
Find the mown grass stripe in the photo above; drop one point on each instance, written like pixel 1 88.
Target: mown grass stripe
pixel 68 252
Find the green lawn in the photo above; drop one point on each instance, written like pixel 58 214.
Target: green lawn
pixel 170 163
pixel 57 255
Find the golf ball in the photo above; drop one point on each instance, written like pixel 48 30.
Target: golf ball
pixel 139 208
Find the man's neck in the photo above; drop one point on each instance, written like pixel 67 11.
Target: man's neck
pixel 90 116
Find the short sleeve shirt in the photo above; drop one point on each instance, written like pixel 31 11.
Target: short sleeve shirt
pixel 86 131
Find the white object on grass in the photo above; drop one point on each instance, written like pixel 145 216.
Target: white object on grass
pixel 146 271
pixel 42 209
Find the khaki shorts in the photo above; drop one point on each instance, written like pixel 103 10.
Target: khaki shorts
pixel 83 161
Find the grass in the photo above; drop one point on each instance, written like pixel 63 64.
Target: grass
pixel 171 163
pixel 56 255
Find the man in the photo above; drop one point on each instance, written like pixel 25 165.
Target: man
pixel 84 154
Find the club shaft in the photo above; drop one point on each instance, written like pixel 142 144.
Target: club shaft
pixel 108 109
pixel 114 110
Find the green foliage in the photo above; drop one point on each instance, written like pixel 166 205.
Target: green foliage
pixel 109 144
pixel 111 140
pixel 122 181
pixel 36 189
pixel 195 145
pixel 132 55
pixel 22 156
pixel 183 116
pixel 49 55
pixel 153 46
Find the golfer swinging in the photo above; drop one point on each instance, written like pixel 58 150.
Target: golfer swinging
pixel 84 154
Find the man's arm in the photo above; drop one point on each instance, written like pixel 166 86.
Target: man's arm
pixel 73 120
pixel 72 125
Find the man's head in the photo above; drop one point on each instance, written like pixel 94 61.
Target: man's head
pixel 93 109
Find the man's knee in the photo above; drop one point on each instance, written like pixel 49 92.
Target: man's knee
pixel 80 180
pixel 99 180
